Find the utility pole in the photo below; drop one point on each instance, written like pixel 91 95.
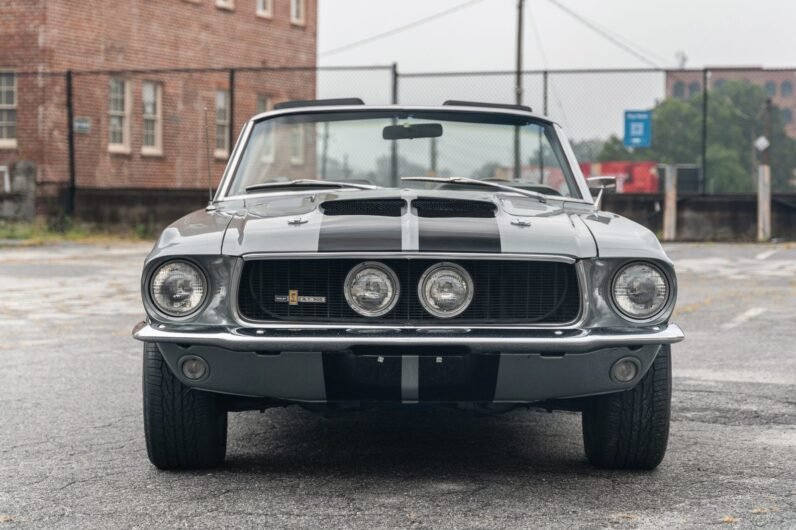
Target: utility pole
pixel 325 155
pixel 518 89
pixel 432 171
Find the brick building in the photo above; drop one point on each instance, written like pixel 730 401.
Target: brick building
pixel 147 75
pixel 778 84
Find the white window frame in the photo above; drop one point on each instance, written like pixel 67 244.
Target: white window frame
pixel 265 8
pixel 225 122
pixel 268 103
pixel 229 5
pixel 11 143
pixel 267 156
pixel 302 20
pixel 157 149
pixel 6 179
pixel 124 146
pixel 297 159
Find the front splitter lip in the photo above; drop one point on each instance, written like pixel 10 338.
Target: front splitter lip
pixel 298 340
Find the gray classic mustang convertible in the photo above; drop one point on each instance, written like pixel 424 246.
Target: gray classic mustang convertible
pixel 452 256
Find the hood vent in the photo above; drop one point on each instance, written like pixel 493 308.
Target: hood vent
pixel 379 207
pixel 453 208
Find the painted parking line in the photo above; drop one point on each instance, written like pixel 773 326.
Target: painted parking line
pixel 747 315
pixel 767 254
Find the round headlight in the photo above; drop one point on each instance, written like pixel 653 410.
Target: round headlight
pixel 371 289
pixel 445 290
pixel 178 288
pixel 640 290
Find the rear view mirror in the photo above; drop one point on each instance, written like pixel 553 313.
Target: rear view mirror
pixel 410 132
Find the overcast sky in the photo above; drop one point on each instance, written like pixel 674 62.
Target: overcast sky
pixel 481 36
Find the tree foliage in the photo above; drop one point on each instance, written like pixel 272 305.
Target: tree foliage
pixel 736 117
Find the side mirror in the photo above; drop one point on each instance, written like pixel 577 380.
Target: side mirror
pixel 599 183
pixel 602 184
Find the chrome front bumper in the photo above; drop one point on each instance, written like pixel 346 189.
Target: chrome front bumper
pixel 475 340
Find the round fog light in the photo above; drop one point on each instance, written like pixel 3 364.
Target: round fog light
pixel 625 370
pixel 193 367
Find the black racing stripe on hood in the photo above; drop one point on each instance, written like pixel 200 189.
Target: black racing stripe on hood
pixel 458 234
pixel 353 233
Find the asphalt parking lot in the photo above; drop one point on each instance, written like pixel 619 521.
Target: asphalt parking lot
pixel 73 455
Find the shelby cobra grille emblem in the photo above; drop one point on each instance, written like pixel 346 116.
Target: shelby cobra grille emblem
pixel 292 298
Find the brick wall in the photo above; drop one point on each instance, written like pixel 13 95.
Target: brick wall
pixel 60 35
pixel 692 83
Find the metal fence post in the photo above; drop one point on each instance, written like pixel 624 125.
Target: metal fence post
pixel 70 135
pixel 705 78
pixel 544 92
pixel 231 140
pixel 394 146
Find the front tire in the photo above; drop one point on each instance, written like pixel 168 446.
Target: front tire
pixel 184 428
pixel 630 429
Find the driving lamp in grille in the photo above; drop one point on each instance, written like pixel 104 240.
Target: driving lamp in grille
pixel 640 290
pixel 178 288
pixel 371 289
pixel 445 290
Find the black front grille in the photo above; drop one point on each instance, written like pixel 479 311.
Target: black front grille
pixel 453 208
pixel 380 207
pixel 517 292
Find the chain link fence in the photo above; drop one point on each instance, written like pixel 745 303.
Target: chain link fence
pixel 114 133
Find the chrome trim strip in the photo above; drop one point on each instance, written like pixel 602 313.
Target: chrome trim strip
pixel 581 341
pixel 559 258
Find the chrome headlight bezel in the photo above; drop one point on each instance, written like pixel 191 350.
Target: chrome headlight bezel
pixel 396 287
pixel 660 311
pixel 165 312
pixel 421 289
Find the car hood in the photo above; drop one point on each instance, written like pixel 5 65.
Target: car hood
pixel 383 221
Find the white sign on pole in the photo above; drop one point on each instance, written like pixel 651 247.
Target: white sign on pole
pixel 762 143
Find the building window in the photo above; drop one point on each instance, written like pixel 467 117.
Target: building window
pixel 263 103
pixel 5 179
pixel 694 88
pixel 265 8
pixel 222 123
pixel 119 116
pixel 787 116
pixel 151 96
pixel 786 90
pixel 297 12
pixel 297 145
pixel 266 140
pixel 225 4
pixel 771 89
pixel 8 110
pixel 679 89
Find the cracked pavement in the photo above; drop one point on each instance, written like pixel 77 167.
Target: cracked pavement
pixel 72 451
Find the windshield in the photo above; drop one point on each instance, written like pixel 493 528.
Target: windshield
pixel 381 147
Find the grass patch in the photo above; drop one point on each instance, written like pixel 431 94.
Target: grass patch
pixel 40 232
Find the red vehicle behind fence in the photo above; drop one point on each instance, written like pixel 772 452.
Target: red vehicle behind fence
pixel 631 177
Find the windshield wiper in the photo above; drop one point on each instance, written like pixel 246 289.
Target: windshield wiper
pixel 468 181
pixel 310 183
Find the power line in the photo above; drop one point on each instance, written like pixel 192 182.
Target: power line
pixel 618 36
pixel 594 27
pixel 399 29
pixel 538 37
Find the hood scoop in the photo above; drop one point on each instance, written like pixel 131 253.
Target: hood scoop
pixel 454 208
pixel 377 207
